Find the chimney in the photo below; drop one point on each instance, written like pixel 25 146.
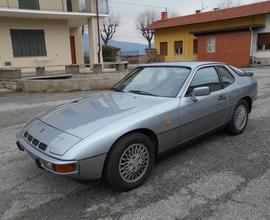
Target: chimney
pixel 198 11
pixel 164 15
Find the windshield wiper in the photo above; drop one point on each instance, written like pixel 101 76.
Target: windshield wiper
pixel 141 92
pixel 116 89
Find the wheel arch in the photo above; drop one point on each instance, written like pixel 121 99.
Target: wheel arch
pixel 249 102
pixel 147 132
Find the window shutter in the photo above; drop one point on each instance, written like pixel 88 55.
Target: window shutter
pixel 263 41
pixel 164 48
pixel 28 42
pixel 195 46
pixel 29 4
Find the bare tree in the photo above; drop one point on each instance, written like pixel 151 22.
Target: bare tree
pixel 144 19
pixel 228 3
pixel 109 26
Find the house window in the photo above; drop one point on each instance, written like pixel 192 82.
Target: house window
pixel 28 43
pixel 178 47
pixel 69 5
pixel 211 45
pixel 263 41
pixel 164 48
pixel 195 46
pixel 29 4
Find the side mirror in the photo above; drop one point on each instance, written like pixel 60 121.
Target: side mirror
pixel 200 91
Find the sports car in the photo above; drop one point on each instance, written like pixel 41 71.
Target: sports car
pixel 118 134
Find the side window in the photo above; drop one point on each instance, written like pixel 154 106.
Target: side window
pixel 226 76
pixel 205 77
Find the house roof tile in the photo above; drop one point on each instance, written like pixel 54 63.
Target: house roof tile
pixel 218 15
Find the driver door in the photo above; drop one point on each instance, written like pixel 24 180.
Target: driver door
pixel 208 112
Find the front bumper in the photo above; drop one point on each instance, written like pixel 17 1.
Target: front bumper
pixel 87 169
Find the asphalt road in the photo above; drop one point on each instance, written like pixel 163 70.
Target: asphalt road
pixel 219 177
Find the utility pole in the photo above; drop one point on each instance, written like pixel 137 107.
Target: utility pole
pixel 98 30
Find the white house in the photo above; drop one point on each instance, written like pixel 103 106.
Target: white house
pixel 47 32
pixel 261 43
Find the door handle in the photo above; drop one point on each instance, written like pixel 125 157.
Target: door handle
pixel 221 98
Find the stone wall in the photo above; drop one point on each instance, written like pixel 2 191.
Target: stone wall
pixel 151 56
pixel 72 69
pixel 80 83
pixel 10 74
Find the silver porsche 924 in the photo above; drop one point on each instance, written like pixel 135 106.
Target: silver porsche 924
pixel 118 134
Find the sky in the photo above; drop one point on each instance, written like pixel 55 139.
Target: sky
pixel 128 12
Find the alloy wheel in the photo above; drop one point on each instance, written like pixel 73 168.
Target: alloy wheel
pixel 134 163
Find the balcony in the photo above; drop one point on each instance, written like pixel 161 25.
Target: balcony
pixel 76 12
pixel 79 6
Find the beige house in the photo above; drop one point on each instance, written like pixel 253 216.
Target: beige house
pixel 47 32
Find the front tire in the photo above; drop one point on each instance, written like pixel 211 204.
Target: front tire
pixel 239 119
pixel 130 162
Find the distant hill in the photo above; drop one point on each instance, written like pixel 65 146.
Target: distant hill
pixel 124 46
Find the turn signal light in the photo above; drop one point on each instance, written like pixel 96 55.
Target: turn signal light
pixel 65 168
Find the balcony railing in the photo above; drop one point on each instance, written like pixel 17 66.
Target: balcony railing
pixel 57 5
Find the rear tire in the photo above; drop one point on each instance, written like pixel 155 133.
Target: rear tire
pixel 130 162
pixel 239 119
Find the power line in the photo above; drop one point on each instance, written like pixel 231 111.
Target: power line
pixel 137 4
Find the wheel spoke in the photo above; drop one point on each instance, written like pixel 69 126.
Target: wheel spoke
pixel 240 117
pixel 134 163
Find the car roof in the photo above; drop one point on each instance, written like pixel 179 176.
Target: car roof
pixel 190 64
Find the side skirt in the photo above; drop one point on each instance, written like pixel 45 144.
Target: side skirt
pixel 188 143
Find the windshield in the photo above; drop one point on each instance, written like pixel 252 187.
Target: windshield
pixel 154 81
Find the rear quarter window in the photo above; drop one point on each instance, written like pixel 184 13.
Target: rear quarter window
pixel 226 76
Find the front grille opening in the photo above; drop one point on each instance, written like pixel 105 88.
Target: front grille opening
pixel 35 142
pixel 42 146
pixel 26 134
pixel 30 138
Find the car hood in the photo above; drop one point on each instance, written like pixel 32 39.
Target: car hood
pixel 85 116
